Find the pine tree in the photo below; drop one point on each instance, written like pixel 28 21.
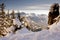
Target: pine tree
pixel 5 22
pixel 13 15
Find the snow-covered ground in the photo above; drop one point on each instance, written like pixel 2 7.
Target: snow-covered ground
pixel 52 34
pixel 24 34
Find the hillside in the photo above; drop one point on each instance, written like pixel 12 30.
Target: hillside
pixel 52 34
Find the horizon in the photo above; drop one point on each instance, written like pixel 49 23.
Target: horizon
pixel 29 11
pixel 29 6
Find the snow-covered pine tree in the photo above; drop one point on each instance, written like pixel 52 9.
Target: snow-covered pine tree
pixel 4 21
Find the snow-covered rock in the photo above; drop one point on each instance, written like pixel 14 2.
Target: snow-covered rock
pixel 56 26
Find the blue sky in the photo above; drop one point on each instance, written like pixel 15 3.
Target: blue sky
pixel 29 4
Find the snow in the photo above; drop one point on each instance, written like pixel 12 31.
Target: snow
pixel 41 35
pixel 52 34
pixel 16 21
pixel 23 31
pixel 55 27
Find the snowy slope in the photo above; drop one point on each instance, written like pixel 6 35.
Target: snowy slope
pixel 42 35
pixel 52 34
pixel 55 27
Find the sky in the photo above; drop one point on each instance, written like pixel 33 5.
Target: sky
pixel 29 5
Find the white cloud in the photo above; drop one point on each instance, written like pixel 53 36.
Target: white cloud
pixel 37 7
pixel 36 11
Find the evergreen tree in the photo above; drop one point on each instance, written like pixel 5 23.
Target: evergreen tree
pixel 5 22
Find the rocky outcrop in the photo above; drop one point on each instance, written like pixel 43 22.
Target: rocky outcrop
pixel 54 12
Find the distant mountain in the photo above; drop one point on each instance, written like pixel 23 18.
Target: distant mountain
pixel 41 20
pixel 38 20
